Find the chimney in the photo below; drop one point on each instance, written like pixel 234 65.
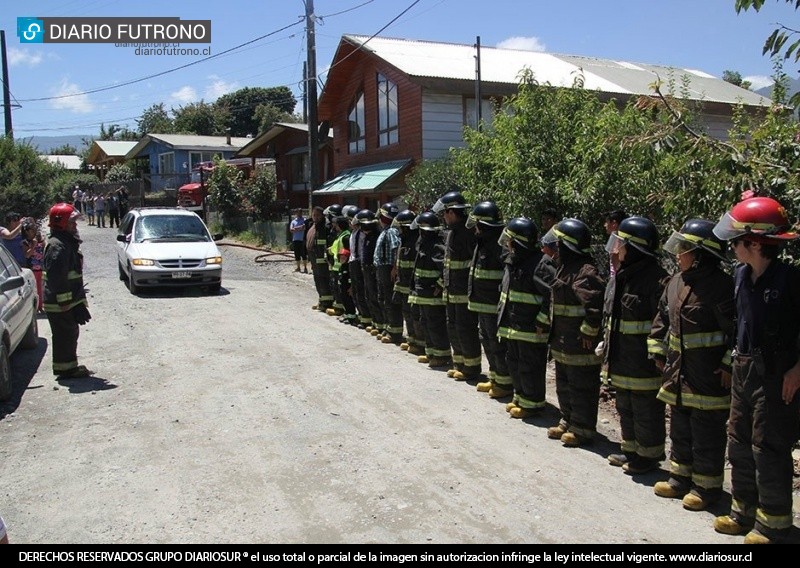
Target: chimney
pixel 228 136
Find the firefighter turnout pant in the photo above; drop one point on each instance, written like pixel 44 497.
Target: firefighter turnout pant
pixel 641 417
pixel 527 363
pixel 322 282
pixel 371 296
pixel 462 328
pixel 495 350
pixel 357 285
pixel 412 316
pixel 65 332
pixel 434 322
pixel 578 392
pixel 761 433
pixel 697 455
pixel 392 312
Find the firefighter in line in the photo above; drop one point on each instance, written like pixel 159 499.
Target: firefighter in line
pixel 370 226
pixel 633 304
pixel 576 314
pixel 523 316
pixel 345 287
pixel 332 212
pixel 462 324
pixel 316 244
pixel 64 297
pixel 415 335
pixel 428 289
pixel 356 272
pixel 353 264
pixel 385 259
pixel 341 240
pixel 763 423
pixel 690 343
pixel 483 292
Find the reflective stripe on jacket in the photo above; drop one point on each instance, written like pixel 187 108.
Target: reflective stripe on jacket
pixel 63 273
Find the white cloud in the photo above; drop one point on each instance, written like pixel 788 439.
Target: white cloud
pixel 79 104
pixel 758 81
pixel 184 95
pixel 522 43
pixel 22 57
pixel 217 88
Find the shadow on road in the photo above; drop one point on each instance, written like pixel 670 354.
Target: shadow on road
pixel 24 365
pixel 86 384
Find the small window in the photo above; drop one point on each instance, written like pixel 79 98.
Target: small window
pixel 356 130
pixel 387 112
pixel 300 173
pixel 166 163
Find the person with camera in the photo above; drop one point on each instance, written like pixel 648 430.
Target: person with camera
pixel 12 237
pixel 64 295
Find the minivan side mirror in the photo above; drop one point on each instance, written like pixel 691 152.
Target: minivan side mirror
pixel 12 283
pixel 218 236
pixel 124 238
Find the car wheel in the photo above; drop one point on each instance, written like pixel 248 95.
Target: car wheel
pixel 5 373
pixel 121 271
pixel 134 289
pixel 215 288
pixel 31 339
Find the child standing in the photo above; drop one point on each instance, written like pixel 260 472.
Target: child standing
pixel 33 247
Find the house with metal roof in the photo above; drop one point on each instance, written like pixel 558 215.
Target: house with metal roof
pixel 106 153
pixel 66 161
pixel 165 161
pixel 287 144
pixel 392 103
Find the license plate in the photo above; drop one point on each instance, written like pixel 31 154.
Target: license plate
pixel 183 274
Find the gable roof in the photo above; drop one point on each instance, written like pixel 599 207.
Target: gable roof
pixel 422 60
pixel 188 142
pixel 103 150
pixel 67 161
pixel 277 129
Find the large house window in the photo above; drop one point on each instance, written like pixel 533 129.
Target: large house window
pixel 387 111
pixel 197 157
pixel 300 173
pixel 166 163
pixel 471 115
pixel 356 135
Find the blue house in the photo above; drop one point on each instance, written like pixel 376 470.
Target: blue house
pixel 165 161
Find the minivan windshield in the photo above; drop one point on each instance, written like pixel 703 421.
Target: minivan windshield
pixel 170 228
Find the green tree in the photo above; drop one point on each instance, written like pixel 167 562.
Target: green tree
pixel 735 78
pixel 119 173
pixel 242 105
pixel 201 118
pixel 25 179
pixel 266 115
pixel 64 150
pixel 154 120
pixel 223 188
pixel 117 132
pixel 259 193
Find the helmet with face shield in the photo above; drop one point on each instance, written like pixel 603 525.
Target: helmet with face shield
pixel 404 219
pixel 638 232
pixel 450 200
pixel 427 221
pixel 758 219
pixel 332 211
pixel 485 213
pixel 349 211
pixel 572 233
pixel 696 234
pixel 521 231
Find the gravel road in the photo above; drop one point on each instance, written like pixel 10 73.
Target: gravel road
pixel 248 418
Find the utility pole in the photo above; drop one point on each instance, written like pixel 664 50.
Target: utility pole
pixel 478 109
pixel 311 91
pixel 305 92
pixel 6 90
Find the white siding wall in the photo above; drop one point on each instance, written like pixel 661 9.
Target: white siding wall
pixel 715 125
pixel 442 124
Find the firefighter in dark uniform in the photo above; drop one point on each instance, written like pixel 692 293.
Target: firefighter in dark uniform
pixel 370 227
pixel 576 313
pixel 415 335
pixel 763 423
pixel 356 272
pixel 64 298
pixel 485 277
pixel 385 259
pixel 462 324
pixel 638 286
pixel 523 321
pixel 341 297
pixel 690 342
pixel 428 289
pixel 317 254
pixel 332 212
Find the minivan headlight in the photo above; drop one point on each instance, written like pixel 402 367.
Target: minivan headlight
pixel 142 262
pixel 214 260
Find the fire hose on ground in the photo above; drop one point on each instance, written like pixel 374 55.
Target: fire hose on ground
pixel 268 255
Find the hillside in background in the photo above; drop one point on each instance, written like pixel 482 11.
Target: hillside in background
pixel 44 144
pixel 793 87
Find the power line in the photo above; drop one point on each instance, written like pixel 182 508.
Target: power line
pixel 134 81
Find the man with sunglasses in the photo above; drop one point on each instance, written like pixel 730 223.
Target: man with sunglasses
pixel 763 424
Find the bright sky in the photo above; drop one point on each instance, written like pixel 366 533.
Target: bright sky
pixel 707 35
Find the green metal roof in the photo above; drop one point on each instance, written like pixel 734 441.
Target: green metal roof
pixel 366 178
